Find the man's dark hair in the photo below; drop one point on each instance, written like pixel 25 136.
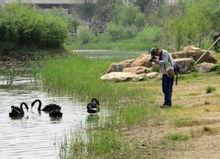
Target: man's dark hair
pixel 153 52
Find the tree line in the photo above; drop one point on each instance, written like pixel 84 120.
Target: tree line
pixel 149 22
pixel 113 24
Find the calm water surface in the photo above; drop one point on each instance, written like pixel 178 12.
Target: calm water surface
pixel 109 54
pixel 34 136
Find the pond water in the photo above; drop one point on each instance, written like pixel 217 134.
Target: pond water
pixel 34 136
pixel 109 54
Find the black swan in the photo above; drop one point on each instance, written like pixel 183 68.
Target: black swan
pixel 17 112
pixel 48 108
pixel 93 106
pixel 55 113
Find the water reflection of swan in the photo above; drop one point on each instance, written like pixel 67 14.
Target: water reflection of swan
pixel 48 108
pixel 93 118
pixel 93 106
pixel 17 112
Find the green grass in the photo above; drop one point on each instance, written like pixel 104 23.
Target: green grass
pixel 79 76
pixel 177 137
pixel 101 142
pixel 171 140
pixel 185 122
pixel 136 114
pixel 218 56
pixel 210 89
pixel 216 67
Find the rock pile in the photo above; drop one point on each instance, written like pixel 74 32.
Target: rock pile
pixel 195 53
pixel 140 68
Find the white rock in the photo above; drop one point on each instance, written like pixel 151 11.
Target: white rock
pixel 204 67
pixel 152 75
pixel 121 77
pixel 137 70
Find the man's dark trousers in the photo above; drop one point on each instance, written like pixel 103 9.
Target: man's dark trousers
pixel 167 87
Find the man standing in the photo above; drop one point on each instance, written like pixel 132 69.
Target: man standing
pixel 165 61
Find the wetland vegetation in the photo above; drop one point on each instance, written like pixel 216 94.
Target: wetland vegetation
pixel 134 126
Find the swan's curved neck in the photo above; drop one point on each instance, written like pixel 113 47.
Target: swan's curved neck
pixel 40 104
pixel 25 104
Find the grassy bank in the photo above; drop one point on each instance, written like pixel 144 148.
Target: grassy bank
pixel 131 103
pixel 136 127
pixel 80 76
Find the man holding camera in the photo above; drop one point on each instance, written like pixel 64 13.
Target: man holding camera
pixel 165 61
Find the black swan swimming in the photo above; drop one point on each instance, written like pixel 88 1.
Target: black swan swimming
pixel 17 112
pixel 93 106
pixel 48 108
pixel 55 113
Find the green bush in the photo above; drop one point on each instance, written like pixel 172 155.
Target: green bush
pixel 84 35
pixel 119 32
pixel 129 15
pixel 27 26
pixel 149 36
pixel 114 31
pixel 216 67
pixel 129 32
pixel 177 137
pixel 210 89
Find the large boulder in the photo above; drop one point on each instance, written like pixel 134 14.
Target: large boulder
pixel 142 60
pixel 121 77
pixel 137 70
pixel 204 67
pixel 118 67
pixel 153 75
pixel 185 64
pixel 195 53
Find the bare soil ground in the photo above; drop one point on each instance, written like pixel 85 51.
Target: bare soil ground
pixel 195 114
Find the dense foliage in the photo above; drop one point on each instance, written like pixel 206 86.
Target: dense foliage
pixel 139 24
pixel 111 24
pixel 26 26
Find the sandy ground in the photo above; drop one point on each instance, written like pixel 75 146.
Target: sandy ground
pixel 203 129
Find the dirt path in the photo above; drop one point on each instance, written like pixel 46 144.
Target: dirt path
pixel 195 116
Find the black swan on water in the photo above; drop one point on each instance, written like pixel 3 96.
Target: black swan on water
pixel 48 108
pixel 17 112
pixel 93 106
pixel 55 113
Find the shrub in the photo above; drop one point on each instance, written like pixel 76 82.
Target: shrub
pixel 216 67
pixel 27 26
pixel 177 137
pixel 149 36
pixel 119 32
pixel 129 15
pixel 84 35
pixel 129 32
pixel 210 89
pixel 114 31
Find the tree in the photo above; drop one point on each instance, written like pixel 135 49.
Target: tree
pixel 130 15
pixel 86 10
pixel 84 35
